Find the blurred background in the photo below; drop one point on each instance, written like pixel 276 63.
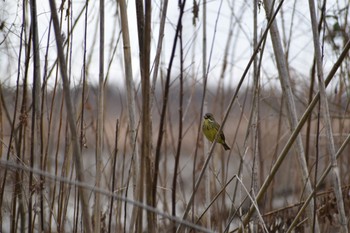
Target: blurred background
pixel 141 75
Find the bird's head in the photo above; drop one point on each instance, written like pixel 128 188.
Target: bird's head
pixel 209 116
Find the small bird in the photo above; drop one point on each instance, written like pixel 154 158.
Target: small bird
pixel 210 129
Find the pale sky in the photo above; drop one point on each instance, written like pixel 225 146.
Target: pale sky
pixel 239 50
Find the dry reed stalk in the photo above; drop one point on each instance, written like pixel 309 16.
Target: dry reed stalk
pixel 141 159
pixel 327 120
pixel 114 162
pixel 146 122
pixel 35 148
pixel 292 114
pixel 100 119
pixel 294 134
pixel 131 111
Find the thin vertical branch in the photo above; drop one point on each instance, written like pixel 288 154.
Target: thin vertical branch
pixel 159 48
pixel 154 79
pixel 35 149
pixel 55 201
pixel 205 69
pixel 100 120
pixel 179 139
pixel 84 84
pixel 71 119
pixel 317 143
pixel 166 92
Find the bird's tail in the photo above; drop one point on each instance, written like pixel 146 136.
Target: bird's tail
pixel 226 147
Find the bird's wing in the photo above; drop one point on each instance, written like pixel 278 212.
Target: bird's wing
pixel 216 125
pixel 222 136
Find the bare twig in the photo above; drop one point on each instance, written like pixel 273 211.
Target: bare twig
pixel 179 138
pixel 71 118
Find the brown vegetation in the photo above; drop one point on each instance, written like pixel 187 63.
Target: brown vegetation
pixel 77 157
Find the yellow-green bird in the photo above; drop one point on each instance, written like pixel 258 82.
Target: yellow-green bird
pixel 210 129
